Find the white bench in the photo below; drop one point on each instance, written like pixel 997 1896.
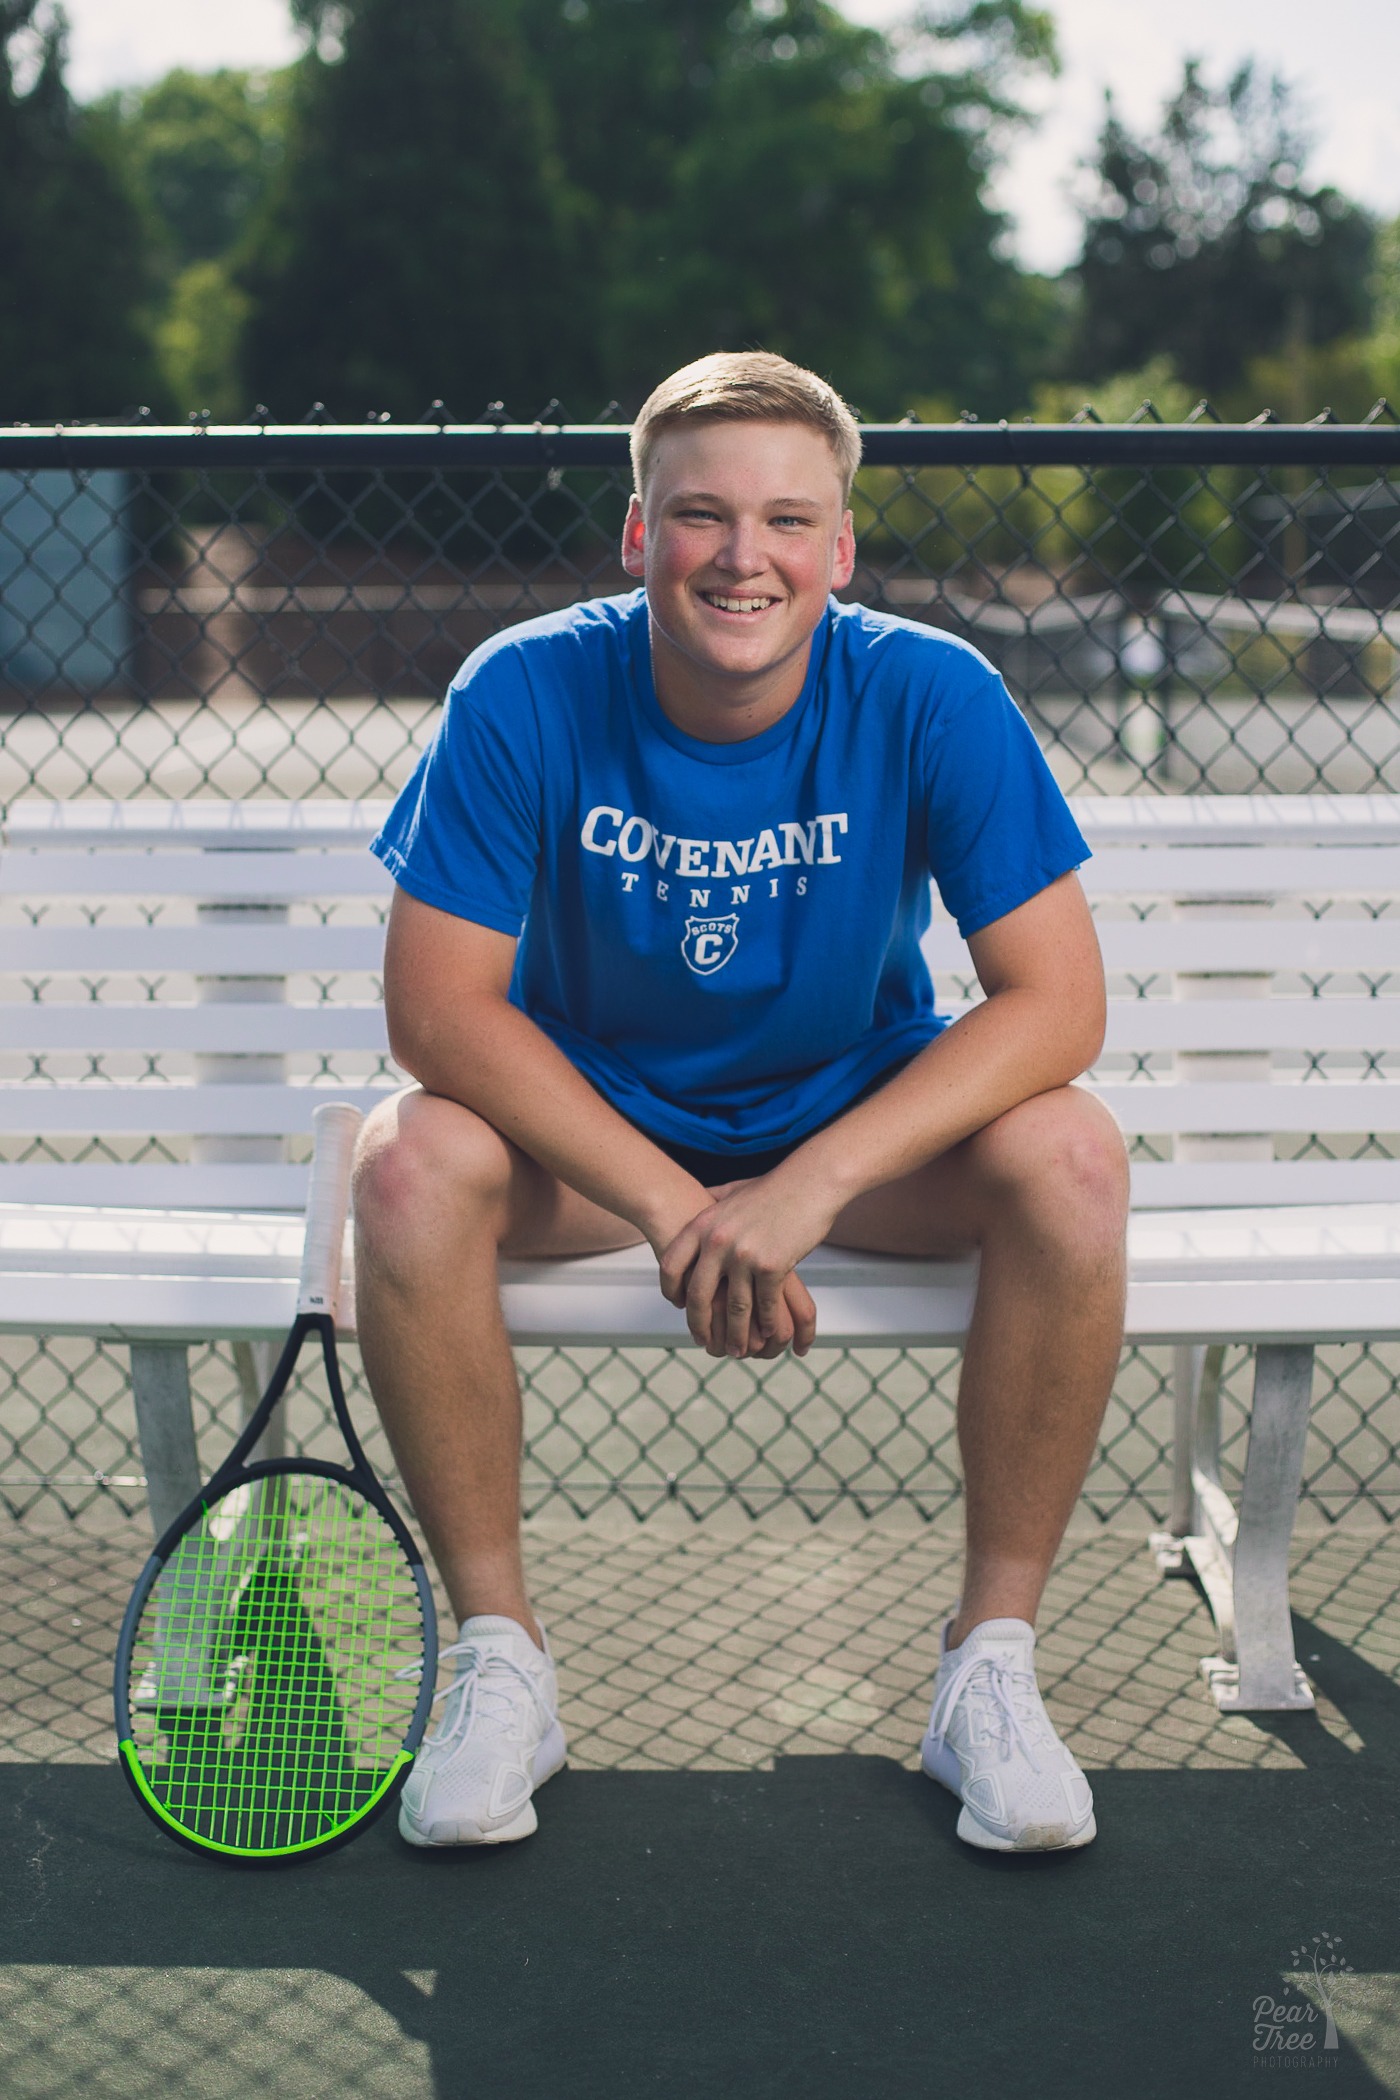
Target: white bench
pixel 196 921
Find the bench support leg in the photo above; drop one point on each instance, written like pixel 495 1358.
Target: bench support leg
pixel 1188 1361
pixel 160 1386
pixel 1196 1368
pixel 1241 1560
pixel 1262 1676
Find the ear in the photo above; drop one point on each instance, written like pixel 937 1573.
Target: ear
pixel 634 539
pixel 843 561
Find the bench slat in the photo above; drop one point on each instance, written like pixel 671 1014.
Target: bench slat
pixel 242 1111
pixel 216 951
pixel 257 1027
pixel 1144 950
pixel 1243 871
pixel 186 1308
pixel 1145 1106
pixel 235 874
pixel 1253 820
pixel 1253 1024
pixel 149 1184
pixel 1226 871
pixel 1337 1310
pixel 1326 1273
pixel 1141 1107
pixel 1320 1240
pixel 144 821
pixel 1184 1184
pixel 1157 1185
pixel 1134 1025
pixel 1144 1025
pixel 1151 947
pixel 1104 819
pixel 258 870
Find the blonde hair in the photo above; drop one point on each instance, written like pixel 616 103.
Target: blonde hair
pixel 745 386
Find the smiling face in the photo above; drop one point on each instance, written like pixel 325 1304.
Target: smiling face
pixel 743 535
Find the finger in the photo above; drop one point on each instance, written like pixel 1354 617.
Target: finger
pixel 705 1279
pixel 719 1311
pixel 769 1346
pixel 804 1314
pixel 779 1328
pixel 676 1264
pixel 768 1304
pixel 739 1306
pixel 770 1334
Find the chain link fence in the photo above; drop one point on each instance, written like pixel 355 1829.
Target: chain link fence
pixel 276 612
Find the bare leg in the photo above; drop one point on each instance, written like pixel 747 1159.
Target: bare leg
pixel 1043 1192
pixel 438 1195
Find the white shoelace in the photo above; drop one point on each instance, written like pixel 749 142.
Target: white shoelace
pixel 481 1701
pixel 997 1700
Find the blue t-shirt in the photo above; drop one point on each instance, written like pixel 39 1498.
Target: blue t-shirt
pixel 724 938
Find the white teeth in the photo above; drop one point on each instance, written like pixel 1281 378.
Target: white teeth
pixel 736 604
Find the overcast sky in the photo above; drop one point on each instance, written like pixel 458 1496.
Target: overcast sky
pixel 1343 54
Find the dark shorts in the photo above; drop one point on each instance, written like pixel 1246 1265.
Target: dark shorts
pixel 713 1168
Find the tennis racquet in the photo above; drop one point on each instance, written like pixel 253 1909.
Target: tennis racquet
pixel 276 1663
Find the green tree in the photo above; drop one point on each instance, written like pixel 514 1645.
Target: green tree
pixel 773 173
pixel 74 333
pixel 522 199
pixel 200 152
pixel 418 239
pixel 1351 374
pixel 1205 243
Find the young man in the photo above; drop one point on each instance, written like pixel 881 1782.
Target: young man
pixel 653 960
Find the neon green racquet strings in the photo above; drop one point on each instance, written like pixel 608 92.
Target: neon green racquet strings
pixel 265 1707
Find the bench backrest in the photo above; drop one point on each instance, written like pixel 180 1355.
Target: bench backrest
pixel 185 973
pixel 183 979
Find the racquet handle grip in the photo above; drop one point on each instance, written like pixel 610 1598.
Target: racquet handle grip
pixel 335 1126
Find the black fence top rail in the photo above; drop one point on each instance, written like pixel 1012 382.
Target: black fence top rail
pixel 214 447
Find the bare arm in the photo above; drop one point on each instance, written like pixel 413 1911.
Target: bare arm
pixel 451 1024
pixel 1040 1026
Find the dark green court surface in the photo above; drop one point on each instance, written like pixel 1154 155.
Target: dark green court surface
pixel 806 1927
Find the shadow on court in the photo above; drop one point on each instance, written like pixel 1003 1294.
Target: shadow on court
pixel 815 1930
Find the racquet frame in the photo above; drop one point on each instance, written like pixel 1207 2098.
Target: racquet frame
pixel 327 1202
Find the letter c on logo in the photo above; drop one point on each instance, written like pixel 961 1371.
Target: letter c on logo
pixel 589 835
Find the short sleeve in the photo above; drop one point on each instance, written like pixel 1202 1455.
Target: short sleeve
pixel 464 834
pixel 998 828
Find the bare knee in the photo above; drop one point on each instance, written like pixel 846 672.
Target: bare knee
pixel 429 1176
pixel 1059 1163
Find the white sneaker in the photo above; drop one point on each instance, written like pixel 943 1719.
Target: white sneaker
pixel 498 1739
pixel 990 1741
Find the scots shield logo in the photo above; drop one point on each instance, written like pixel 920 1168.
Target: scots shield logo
pixel 709 943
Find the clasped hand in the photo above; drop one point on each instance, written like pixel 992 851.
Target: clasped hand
pixel 733 1268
